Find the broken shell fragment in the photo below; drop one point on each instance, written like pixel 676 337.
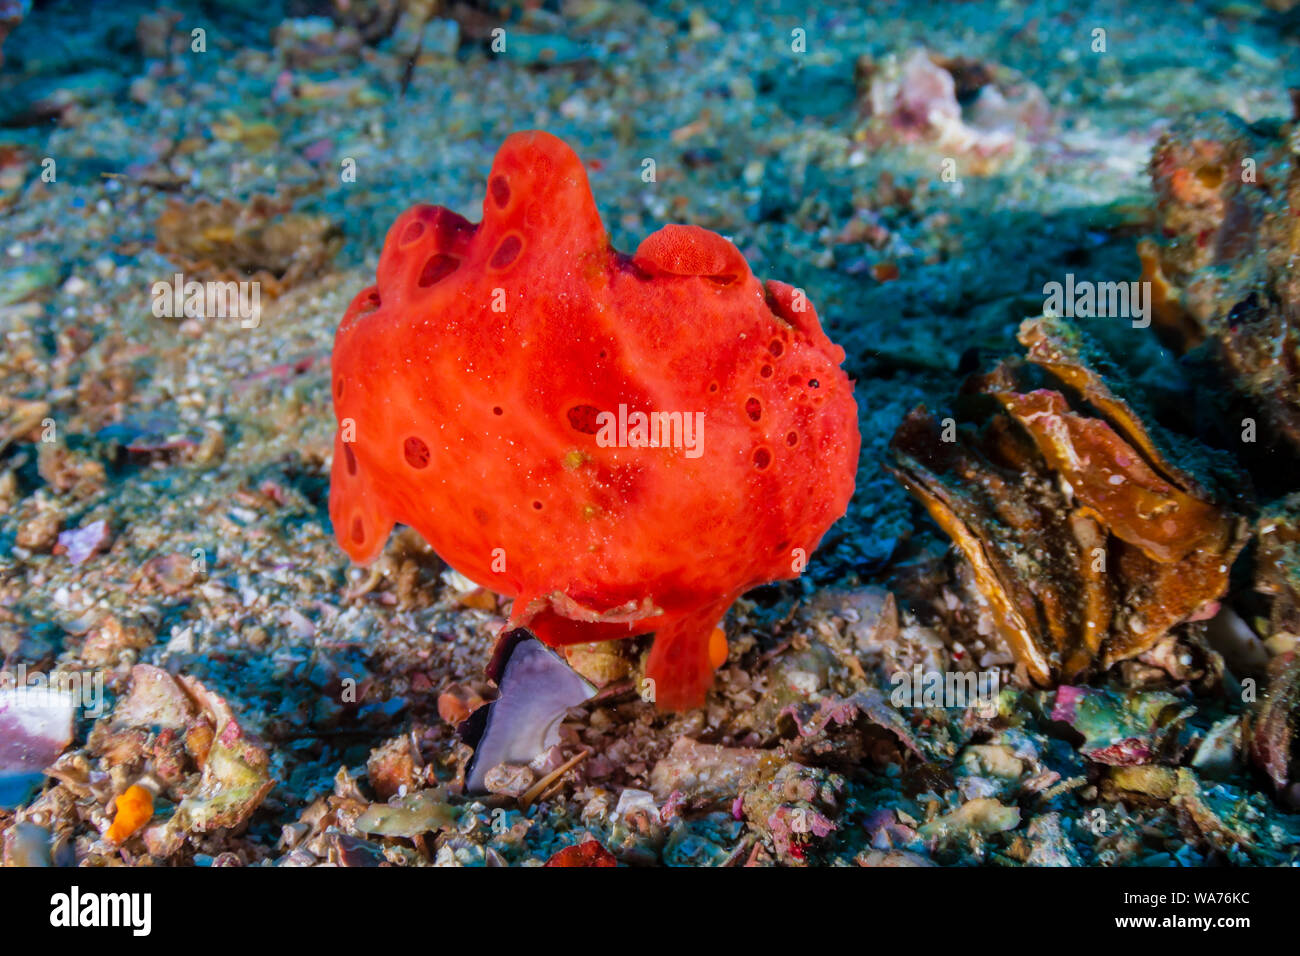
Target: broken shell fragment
pixel 536 690
pixel 35 727
pixel 409 816
pixel 509 780
pixel 236 770
pixel 1121 729
pixel 154 700
pixel 982 816
pixel 703 774
pixel 27 844
pixel 79 544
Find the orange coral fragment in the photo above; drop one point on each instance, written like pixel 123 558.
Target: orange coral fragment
pixel 134 810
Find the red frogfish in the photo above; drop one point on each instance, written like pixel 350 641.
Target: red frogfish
pixel 621 444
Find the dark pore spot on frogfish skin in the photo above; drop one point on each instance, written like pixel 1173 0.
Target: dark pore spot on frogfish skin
pixel 762 458
pixel 412 232
pixel 754 409
pixel 437 268
pixel 500 191
pixel 349 458
pixel 416 452
pixel 583 418
pixel 358 530
pixel 507 252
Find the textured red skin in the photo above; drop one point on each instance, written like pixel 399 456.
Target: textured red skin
pixel 597 542
pixel 589 853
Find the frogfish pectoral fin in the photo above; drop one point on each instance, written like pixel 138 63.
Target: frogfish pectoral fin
pixel 687 649
pixel 361 521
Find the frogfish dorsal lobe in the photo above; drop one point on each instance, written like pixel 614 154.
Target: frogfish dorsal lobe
pixel 622 444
